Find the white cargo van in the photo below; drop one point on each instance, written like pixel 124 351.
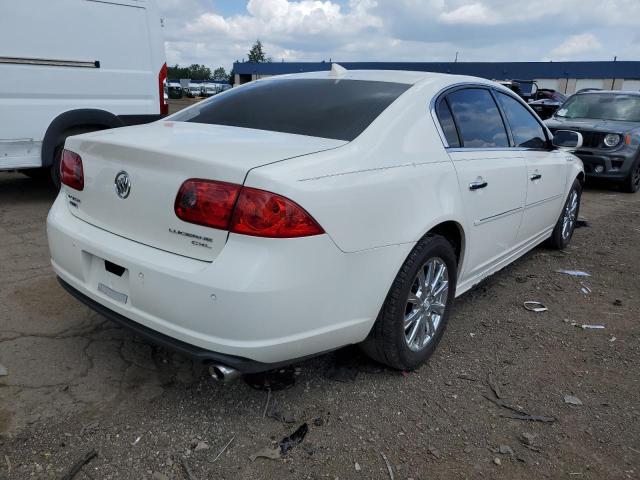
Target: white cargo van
pixel 73 66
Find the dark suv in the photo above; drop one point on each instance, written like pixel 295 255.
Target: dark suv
pixel 609 122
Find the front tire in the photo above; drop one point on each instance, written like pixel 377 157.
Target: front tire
pixel 566 224
pixel 632 183
pixel 416 310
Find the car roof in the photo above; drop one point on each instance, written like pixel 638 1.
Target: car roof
pixel 436 81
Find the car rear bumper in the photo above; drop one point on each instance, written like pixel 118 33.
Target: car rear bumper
pixel 197 354
pixel 265 301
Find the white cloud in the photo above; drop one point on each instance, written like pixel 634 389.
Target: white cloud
pixel 472 14
pixel 402 30
pixel 576 46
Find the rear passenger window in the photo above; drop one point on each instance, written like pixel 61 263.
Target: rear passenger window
pixel 446 122
pixel 526 130
pixel 478 119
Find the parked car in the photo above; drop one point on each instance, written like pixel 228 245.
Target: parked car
pixel 210 89
pixel 546 102
pixel 194 90
pixel 609 122
pixel 174 90
pixel 61 75
pixel 294 215
pixel 526 89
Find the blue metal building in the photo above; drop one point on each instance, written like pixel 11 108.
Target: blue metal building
pixel 566 77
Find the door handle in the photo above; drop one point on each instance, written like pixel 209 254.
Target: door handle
pixel 535 176
pixel 477 185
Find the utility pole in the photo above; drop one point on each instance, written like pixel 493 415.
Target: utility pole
pixel 456 60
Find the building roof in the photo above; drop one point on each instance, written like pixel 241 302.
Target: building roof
pixel 490 70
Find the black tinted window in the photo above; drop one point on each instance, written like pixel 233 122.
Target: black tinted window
pixel 447 124
pixel 525 129
pixel 339 109
pixel 478 119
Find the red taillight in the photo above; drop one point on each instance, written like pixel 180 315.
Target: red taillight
pixel 243 210
pixel 71 172
pixel 265 214
pixel 206 202
pixel 162 78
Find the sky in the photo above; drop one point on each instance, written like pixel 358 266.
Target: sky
pixel 219 32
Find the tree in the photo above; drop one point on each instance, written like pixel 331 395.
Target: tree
pixel 194 72
pixel 220 75
pixel 257 55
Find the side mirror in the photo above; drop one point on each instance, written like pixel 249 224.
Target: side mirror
pixel 567 139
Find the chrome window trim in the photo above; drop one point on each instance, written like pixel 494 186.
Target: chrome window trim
pixel 492 89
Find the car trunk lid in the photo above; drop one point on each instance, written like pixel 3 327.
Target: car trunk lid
pixel 157 159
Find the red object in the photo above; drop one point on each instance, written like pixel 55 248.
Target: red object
pixel 71 171
pixel 206 202
pixel 162 77
pixel 243 210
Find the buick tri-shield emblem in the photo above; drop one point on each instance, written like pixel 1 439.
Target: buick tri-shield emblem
pixel 123 184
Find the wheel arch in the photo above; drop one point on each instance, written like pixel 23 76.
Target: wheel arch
pixel 454 233
pixel 82 118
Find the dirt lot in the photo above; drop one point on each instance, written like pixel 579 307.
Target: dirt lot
pixel 76 382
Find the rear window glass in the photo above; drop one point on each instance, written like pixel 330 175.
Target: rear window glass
pixel 338 109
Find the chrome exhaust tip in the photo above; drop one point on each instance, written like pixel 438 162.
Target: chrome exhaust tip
pixel 223 374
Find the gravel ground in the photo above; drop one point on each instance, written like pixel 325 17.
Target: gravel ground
pixel 76 382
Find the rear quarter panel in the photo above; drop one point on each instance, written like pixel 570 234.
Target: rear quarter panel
pixel 389 186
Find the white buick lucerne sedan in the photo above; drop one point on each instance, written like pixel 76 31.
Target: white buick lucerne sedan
pixel 294 215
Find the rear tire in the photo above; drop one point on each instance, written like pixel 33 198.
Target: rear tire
pixel 566 224
pixel 632 183
pixel 418 303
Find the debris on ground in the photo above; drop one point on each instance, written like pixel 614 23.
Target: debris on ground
pixel 493 386
pixel 505 450
pixel 534 306
pixel 527 438
pixel 617 302
pixel 497 461
pixel 574 273
pixel 76 467
pixel 357 467
pixel 286 444
pixel 591 327
pixel 585 289
pixel 3 371
pixel 223 449
pixel 571 400
pixel 520 414
pixel 273 380
pixel 200 445
pixel 136 441
pixel 435 452
pixel 389 469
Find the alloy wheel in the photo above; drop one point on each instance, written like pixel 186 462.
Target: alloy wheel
pixel 570 214
pixel 426 304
